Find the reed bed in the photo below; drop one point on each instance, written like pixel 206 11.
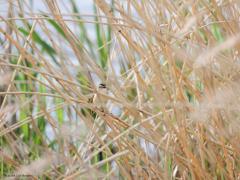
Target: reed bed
pixel 133 90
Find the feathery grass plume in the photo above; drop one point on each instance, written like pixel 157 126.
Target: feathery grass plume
pixel 111 89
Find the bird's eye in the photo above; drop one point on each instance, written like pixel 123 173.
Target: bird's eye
pixel 102 85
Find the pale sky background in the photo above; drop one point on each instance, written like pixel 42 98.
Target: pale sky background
pixel 85 8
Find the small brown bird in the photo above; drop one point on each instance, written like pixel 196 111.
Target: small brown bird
pixel 97 98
